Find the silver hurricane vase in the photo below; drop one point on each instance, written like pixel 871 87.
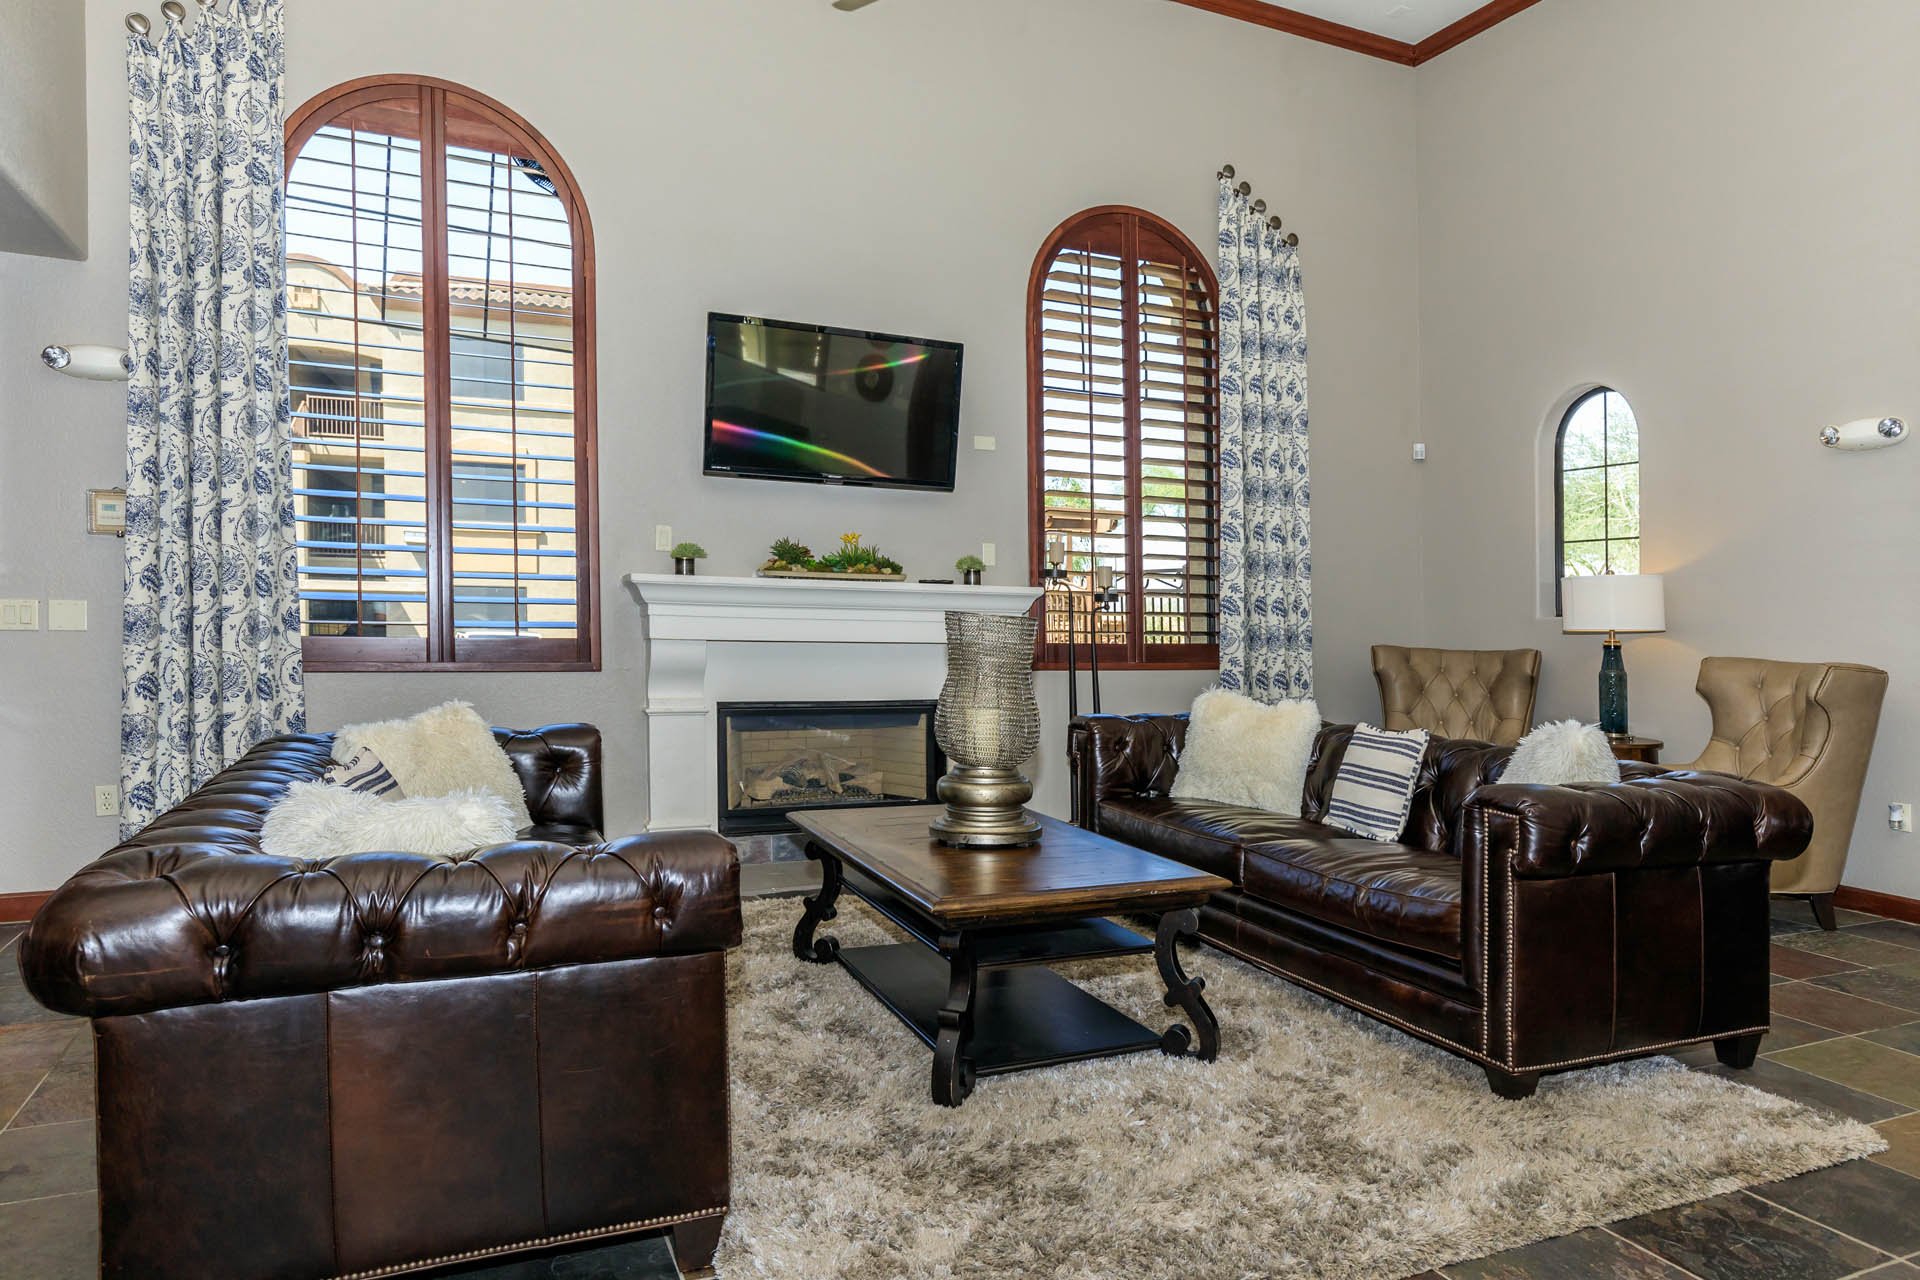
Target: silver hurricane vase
pixel 988 724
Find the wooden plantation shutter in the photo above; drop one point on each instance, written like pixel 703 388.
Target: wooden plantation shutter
pixel 1123 416
pixel 440 308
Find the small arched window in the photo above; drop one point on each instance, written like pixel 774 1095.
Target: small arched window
pixel 1596 465
pixel 1123 439
pixel 440 336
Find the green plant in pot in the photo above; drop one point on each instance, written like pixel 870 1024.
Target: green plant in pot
pixel 970 568
pixel 685 556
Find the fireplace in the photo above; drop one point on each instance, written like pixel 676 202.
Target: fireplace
pixel 777 757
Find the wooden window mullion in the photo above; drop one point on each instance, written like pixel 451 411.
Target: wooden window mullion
pixel 1135 356
pixel 437 381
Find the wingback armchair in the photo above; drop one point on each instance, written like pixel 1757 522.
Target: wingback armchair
pixel 1482 694
pixel 1804 726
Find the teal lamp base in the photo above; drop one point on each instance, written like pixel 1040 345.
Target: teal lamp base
pixel 1613 690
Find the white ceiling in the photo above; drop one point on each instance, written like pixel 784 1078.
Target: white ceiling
pixel 1408 20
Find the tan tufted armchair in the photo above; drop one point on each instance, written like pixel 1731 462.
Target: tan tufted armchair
pixel 1485 694
pixel 1804 726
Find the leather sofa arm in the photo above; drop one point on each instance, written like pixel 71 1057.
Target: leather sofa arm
pixel 559 769
pixel 161 926
pixel 1116 755
pixel 1645 820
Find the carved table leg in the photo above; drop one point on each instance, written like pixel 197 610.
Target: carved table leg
pixel 952 1072
pixel 819 907
pixel 1183 992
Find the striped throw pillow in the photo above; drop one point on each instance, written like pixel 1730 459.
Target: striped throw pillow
pixel 364 772
pixel 1374 786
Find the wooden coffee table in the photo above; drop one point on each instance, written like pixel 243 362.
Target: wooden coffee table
pixel 974 983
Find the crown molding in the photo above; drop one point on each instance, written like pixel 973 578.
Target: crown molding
pixel 1341 36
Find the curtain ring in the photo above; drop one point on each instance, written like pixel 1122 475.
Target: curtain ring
pixel 1245 189
pixel 1273 223
pixel 1260 206
pixel 1226 171
pixel 139 24
pixel 174 11
pixel 1293 241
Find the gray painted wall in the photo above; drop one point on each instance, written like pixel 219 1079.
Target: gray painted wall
pixel 895 169
pixel 1709 207
pixel 43 128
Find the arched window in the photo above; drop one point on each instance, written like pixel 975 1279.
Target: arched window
pixel 1596 468
pixel 1122 439
pixel 440 330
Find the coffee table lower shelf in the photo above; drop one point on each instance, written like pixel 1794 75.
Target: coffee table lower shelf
pixel 1022 1017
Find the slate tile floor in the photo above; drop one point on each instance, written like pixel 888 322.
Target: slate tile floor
pixel 1846 1037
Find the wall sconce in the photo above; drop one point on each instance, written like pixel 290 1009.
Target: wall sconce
pixel 1864 433
pixel 83 360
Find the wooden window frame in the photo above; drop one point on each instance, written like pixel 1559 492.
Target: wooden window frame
pixel 1134 654
pixel 442 649
pixel 1560 489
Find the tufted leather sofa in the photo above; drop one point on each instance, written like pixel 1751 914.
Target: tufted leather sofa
pixel 1485 694
pixel 384 1062
pixel 1805 726
pixel 1531 929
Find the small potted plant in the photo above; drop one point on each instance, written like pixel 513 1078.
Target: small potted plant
pixel 684 555
pixel 970 568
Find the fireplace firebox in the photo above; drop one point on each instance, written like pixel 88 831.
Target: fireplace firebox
pixel 777 757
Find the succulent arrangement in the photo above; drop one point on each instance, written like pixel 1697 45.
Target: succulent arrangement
pixel 788 556
pixel 687 551
pixel 969 564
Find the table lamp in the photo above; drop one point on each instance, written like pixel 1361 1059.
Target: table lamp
pixel 1613 603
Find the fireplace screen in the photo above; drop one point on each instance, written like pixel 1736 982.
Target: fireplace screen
pixel 776 757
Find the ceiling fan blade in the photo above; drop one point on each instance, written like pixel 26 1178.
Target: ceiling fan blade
pixel 848 6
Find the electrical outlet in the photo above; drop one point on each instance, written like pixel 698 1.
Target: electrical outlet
pixel 663 537
pixel 106 801
pixel 1900 816
pixel 1419 453
pixel 987 554
pixel 19 615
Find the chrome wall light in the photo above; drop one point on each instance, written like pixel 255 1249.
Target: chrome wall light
pixel 83 360
pixel 1864 433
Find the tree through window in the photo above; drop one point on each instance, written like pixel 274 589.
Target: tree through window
pixel 1597 488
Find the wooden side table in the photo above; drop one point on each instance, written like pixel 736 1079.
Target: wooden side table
pixel 1627 747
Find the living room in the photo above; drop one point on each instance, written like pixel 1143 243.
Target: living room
pixel 1492 219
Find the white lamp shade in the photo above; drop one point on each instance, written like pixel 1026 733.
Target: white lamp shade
pixel 1613 602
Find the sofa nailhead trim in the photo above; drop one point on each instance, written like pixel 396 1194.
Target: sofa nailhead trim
pixel 540 1242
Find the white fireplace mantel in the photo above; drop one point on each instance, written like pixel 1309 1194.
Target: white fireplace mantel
pixel 715 639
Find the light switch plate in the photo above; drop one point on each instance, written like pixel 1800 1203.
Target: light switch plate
pixel 66 615
pixel 663 537
pixel 987 554
pixel 986 444
pixel 19 615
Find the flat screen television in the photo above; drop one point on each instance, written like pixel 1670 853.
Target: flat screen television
pixel 830 406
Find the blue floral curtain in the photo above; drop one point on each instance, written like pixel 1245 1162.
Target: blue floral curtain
pixel 1266 565
pixel 211 623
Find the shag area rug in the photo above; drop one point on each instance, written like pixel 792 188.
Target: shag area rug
pixel 1321 1143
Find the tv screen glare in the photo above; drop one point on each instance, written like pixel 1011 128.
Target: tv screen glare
pixel 831 406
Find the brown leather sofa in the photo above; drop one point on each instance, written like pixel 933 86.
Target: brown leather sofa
pixel 1805 726
pixel 1531 929
pixel 1485 694
pixel 386 1062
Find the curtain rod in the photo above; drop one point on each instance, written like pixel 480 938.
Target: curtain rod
pixel 1259 206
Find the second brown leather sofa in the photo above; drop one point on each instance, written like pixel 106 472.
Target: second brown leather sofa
pixel 1531 929
pixel 384 1062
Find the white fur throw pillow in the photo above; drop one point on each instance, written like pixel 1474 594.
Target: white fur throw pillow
pixel 1244 752
pixel 314 820
pixel 1563 751
pixel 443 749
